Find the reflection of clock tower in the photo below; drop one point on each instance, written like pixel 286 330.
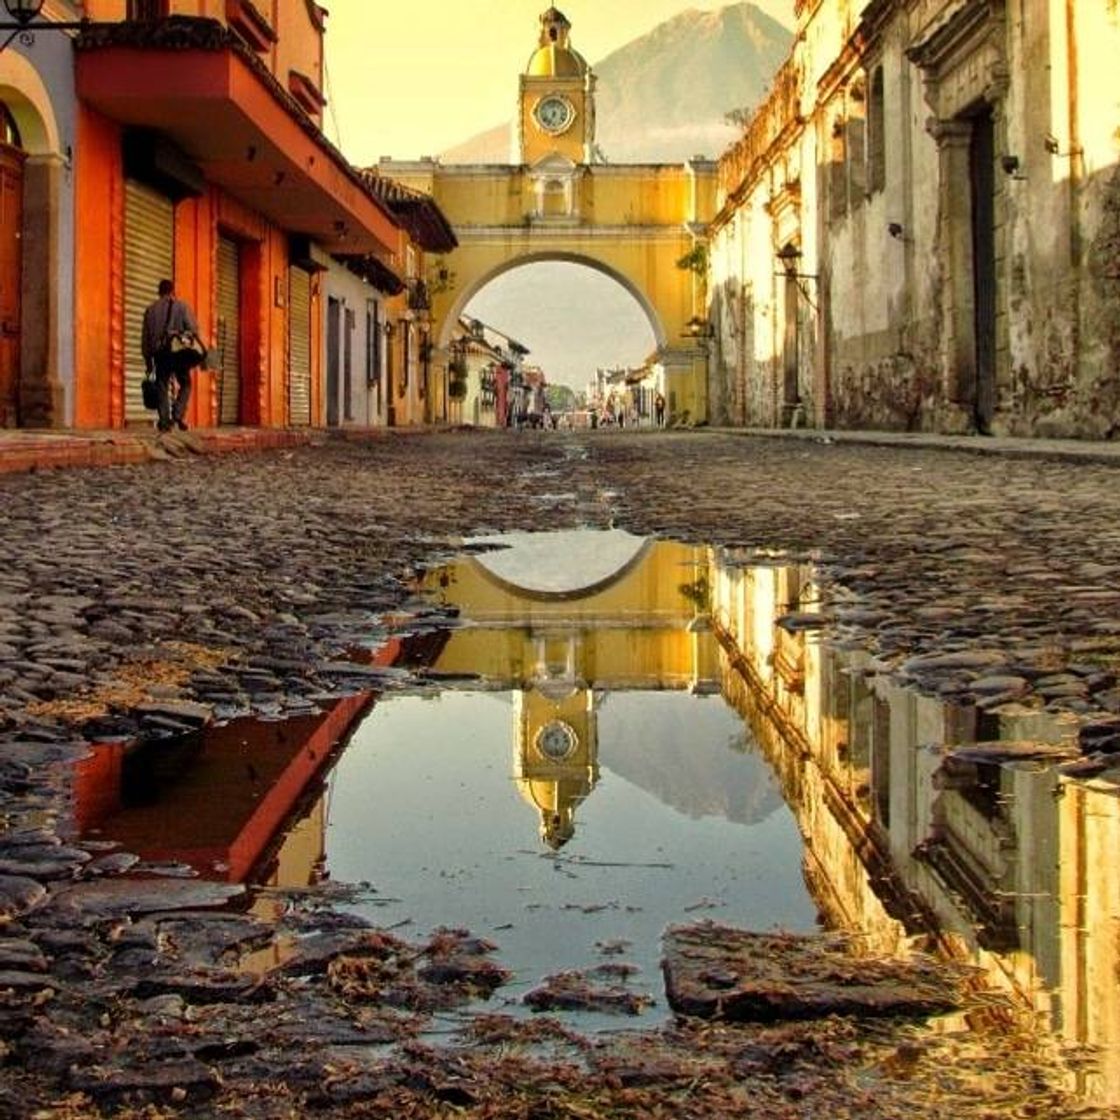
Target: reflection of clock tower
pixel 557 110
pixel 556 744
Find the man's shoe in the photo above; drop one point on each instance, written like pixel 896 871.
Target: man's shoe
pixel 164 425
pixel 181 425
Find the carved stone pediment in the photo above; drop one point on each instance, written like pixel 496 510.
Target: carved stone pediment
pixel 951 30
pixel 553 164
pixel 961 50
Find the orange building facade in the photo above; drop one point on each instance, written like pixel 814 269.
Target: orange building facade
pixel 200 157
pixel 183 139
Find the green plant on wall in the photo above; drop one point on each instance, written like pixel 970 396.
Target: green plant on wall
pixel 440 278
pixel 695 260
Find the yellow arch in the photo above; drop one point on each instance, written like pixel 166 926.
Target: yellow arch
pixel 632 222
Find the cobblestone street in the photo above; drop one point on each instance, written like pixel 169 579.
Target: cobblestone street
pixel 288 554
pixel 151 596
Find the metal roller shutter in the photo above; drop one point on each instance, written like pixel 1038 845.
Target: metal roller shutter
pixel 299 347
pixel 149 257
pixel 229 330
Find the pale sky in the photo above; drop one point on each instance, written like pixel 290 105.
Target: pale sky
pixel 411 79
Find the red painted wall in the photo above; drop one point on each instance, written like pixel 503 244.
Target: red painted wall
pixel 99 279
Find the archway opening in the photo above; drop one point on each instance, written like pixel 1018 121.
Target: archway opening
pixel 588 333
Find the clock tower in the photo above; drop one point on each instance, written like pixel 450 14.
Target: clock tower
pixel 556 114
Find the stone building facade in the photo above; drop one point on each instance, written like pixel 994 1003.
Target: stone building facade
pixel 920 228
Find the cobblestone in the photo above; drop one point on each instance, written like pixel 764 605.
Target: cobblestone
pixel 144 596
pixel 944 563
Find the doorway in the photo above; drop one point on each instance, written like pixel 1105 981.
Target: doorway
pixel 791 342
pixel 981 159
pixel 334 317
pixel 11 275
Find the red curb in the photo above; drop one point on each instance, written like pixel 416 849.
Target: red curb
pixel 22 451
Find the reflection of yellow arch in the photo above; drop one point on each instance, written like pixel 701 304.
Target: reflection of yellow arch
pixel 636 556
pixel 23 91
pixel 477 283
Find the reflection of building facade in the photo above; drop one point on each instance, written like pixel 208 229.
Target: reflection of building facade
pixel 1009 866
pixel 624 621
pixel 218 800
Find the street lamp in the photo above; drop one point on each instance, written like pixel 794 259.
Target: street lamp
pixel 21 13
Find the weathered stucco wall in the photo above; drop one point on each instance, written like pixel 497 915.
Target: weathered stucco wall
pixel 945 180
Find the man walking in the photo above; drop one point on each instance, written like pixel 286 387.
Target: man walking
pixel 166 319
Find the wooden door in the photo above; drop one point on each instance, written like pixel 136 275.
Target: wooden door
pixel 349 326
pixel 11 272
pixel 334 311
pixel 982 167
pixel 791 347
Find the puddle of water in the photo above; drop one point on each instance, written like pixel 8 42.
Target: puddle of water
pixel 663 816
pixel 592 792
pixel 645 744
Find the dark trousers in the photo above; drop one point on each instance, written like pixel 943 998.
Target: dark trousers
pixel 173 380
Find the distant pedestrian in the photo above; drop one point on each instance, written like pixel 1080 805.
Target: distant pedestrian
pixel 659 410
pixel 172 348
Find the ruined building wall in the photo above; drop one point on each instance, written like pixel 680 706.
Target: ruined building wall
pixel 944 179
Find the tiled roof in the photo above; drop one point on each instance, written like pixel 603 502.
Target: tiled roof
pixel 419 213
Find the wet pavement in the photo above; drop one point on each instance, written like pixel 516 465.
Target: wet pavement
pixel 933 689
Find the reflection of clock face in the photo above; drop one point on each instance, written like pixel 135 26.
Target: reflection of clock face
pixel 554 114
pixel 556 740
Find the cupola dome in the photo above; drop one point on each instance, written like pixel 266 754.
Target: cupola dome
pixel 554 57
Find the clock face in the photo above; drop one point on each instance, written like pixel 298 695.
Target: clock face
pixel 556 740
pixel 554 113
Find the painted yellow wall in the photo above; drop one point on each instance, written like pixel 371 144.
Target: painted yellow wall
pixel 631 222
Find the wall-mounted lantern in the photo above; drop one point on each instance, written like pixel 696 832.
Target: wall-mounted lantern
pixel 21 22
pixel 789 256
